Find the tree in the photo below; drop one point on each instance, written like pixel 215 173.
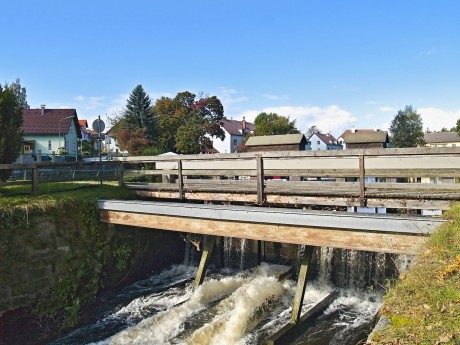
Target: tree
pixel 406 129
pixel 186 124
pixel 133 141
pixel 312 130
pixel 457 127
pixel 273 124
pixel 138 113
pixel 20 93
pixel 10 127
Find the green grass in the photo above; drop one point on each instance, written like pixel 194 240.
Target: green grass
pixel 20 195
pixel 424 305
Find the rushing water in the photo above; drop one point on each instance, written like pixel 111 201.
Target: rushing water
pixel 242 306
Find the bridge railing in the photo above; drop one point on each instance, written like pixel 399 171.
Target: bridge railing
pixel 353 177
pixel 262 177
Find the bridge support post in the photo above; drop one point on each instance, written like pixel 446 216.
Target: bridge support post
pixel 301 284
pixel 207 251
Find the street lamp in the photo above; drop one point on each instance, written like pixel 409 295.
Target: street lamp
pixel 68 117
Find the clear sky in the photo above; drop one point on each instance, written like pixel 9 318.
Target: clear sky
pixel 333 64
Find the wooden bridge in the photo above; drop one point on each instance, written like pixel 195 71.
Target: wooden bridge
pixel 291 197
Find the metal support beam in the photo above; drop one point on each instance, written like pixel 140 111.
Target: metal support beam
pixel 207 251
pixel 301 284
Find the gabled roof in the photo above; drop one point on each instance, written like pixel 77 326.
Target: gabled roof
pixel 328 139
pixel 83 123
pixel 365 136
pixel 442 137
pixel 53 121
pixel 233 127
pixel 285 139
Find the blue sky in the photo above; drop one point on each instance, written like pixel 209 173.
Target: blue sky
pixel 333 64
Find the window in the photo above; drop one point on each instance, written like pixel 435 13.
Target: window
pixel 49 144
pixel 318 142
pixel 235 142
pixel 27 148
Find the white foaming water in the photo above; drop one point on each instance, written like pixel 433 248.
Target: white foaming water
pixel 236 312
pixel 243 309
pixel 163 327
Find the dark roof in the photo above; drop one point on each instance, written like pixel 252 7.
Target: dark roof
pixel 266 140
pixel 53 121
pixel 365 136
pixel 442 137
pixel 328 139
pixel 233 127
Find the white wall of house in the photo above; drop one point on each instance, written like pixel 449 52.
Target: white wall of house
pixel 229 144
pixel 317 143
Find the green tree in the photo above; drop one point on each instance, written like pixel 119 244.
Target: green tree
pixel 187 124
pixel 274 124
pixel 457 127
pixel 20 93
pixel 406 129
pixel 138 113
pixel 312 130
pixel 10 127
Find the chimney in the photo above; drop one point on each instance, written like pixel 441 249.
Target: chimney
pixel 243 123
pixel 353 130
pixel 42 110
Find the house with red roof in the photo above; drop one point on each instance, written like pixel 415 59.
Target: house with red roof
pixel 235 132
pixel 50 131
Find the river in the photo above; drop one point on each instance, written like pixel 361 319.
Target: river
pixel 231 307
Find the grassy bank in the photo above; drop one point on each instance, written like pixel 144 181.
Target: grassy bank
pixel 424 306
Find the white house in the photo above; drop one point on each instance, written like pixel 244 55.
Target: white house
pixel 47 130
pixel 324 142
pixel 235 132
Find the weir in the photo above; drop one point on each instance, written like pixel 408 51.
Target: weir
pixel 369 232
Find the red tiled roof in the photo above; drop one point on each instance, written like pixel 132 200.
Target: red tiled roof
pixel 53 121
pixel 83 123
pixel 233 127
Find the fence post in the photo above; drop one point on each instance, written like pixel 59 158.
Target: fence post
pixel 362 183
pixel 121 180
pixel 35 181
pixel 260 180
pixel 181 179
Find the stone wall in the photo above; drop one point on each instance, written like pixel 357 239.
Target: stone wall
pixel 48 248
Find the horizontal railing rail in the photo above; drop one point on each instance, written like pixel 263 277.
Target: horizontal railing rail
pixel 413 173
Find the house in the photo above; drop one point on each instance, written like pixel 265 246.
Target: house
pixel 285 142
pixel 84 129
pixel 364 139
pixel 50 131
pixel 442 139
pixel 320 141
pixel 235 132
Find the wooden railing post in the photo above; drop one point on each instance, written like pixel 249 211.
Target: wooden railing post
pixel 260 181
pixel 181 179
pixel 121 178
pixel 362 182
pixel 35 181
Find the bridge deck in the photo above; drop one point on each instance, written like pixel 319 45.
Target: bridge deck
pixel 382 233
